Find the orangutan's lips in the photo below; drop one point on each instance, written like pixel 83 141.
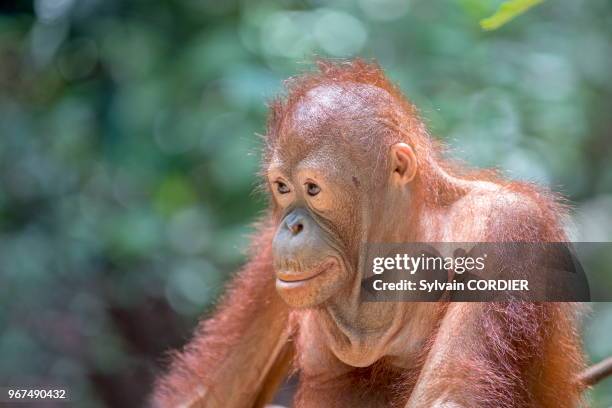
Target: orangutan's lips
pixel 286 276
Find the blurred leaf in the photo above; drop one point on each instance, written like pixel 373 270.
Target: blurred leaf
pixel 506 12
pixel 174 193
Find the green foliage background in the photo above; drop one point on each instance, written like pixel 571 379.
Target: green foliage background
pixel 128 152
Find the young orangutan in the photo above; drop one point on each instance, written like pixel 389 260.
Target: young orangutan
pixel 348 161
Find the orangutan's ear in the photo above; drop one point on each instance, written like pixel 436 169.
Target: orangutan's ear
pixel 403 163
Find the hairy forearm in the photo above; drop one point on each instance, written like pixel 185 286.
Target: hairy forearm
pixel 226 363
pixel 486 349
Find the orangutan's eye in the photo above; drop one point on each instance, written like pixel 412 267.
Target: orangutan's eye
pixel 312 189
pixel 281 187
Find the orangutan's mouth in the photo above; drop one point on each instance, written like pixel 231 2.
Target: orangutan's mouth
pixel 290 276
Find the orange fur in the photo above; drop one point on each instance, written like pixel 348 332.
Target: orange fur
pixel 514 355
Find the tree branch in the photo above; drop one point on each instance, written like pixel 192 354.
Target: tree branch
pixel 596 373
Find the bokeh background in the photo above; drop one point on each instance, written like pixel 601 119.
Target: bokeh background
pixel 128 152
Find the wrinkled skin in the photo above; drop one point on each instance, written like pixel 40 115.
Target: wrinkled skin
pixel 323 256
pixel 348 162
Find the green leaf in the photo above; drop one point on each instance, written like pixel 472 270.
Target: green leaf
pixel 506 12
